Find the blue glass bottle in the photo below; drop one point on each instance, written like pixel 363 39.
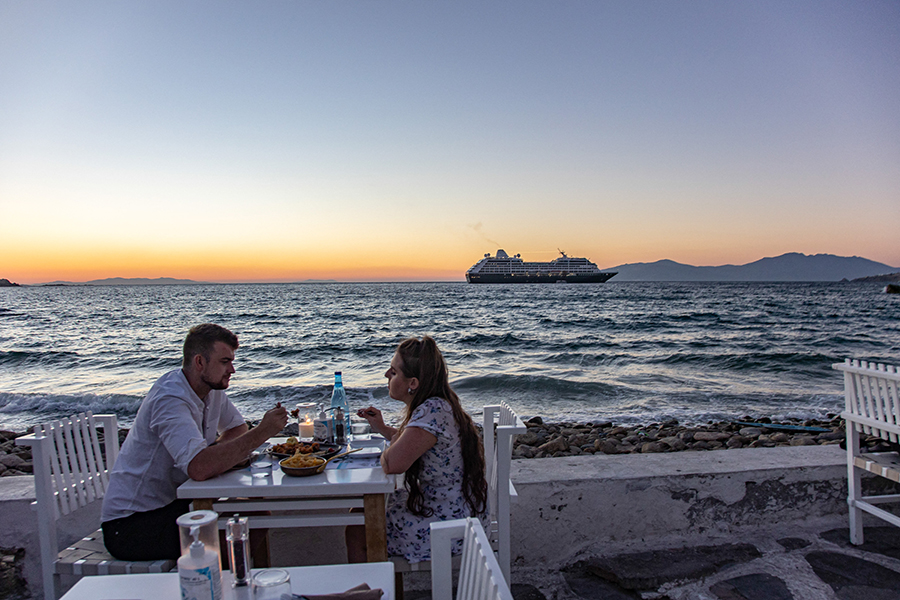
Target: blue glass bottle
pixel 339 399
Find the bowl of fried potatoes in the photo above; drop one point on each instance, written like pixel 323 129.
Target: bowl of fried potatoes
pixel 302 465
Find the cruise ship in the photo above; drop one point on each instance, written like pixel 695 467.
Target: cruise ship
pixel 504 268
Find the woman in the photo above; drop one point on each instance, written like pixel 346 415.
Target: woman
pixel 436 447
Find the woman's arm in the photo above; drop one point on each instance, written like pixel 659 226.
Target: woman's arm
pixel 405 449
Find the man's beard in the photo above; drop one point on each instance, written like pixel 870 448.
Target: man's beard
pixel 222 384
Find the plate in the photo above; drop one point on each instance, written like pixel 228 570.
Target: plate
pixel 367 452
pixel 325 451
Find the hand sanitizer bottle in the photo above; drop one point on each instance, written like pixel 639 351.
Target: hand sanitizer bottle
pixel 322 427
pixel 198 571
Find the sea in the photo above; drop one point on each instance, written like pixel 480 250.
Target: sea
pixel 630 353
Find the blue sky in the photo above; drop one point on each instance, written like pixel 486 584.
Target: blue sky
pixel 286 140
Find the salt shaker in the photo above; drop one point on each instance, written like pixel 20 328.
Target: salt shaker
pixel 238 536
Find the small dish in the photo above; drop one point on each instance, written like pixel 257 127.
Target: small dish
pixel 316 468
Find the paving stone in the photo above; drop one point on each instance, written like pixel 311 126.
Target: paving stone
pixel 851 577
pixel 793 543
pixel 881 540
pixel 523 591
pixel 758 586
pixel 649 570
pixel 520 591
pixel 586 585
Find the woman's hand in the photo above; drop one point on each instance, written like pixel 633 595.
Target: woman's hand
pixel 376 421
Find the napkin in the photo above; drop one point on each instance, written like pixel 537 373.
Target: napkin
pixel 360 592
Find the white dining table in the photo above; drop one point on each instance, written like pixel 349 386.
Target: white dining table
pixel 323 579
pixel 315 501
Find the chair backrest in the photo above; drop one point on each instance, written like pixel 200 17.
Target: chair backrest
pixel 872 397
pixel 498 455
pixel 70 472
pixel 480 576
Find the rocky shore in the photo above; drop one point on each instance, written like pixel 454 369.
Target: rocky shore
pixel 543 440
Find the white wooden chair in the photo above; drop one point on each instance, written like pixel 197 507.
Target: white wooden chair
pixel 501 492
pixel 872 395
pixel 70 474
pixel 480 576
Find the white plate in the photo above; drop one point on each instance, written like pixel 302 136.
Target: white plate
pixel 367 452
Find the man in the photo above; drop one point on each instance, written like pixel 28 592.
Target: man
pixel 185 428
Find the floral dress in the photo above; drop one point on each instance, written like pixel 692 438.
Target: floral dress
pixel 440 480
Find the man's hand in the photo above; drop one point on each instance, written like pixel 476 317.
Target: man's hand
pixel 235 445
pixel 274 420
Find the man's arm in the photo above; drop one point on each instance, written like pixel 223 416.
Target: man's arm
pixel 233 433
pixel 235 445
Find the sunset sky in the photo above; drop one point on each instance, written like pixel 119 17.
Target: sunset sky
pixel 367 140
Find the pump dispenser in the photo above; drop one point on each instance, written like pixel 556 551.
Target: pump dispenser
pixel 198 571
pixel 322 431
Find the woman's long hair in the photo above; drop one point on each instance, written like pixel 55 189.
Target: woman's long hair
pixel 422 360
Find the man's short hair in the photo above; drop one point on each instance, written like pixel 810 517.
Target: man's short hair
pixel 201 339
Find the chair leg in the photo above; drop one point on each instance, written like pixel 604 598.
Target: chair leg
pixel 398 586
pixel 856 525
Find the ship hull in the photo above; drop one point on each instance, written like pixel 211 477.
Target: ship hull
pixel 538 278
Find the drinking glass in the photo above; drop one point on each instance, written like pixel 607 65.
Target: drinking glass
pixel 270 584
pixel 261 467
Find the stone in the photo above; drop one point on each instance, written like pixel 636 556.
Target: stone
pixel 11 461
pixel 555 445
pixel 607 447
pixel 710 436
pixel 524 591
pixel 579 439
pixel 524 452
pixel 852 577
pixel 757 586
pixel 880 540
pixel 534 421
pixel 587 585
pixel 651 447
pixel 793 543
pixel 673 442
pixel 529 438
pixel 734 442
pixel 617 431
pixel 650 570
pixel 780 437
pixel 751 432
pixel 803 440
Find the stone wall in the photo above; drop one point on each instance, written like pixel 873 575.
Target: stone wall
pixel 583 502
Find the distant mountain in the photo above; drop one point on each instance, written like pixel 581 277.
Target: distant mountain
pixel 7 283
pixel 787 267
pixel 130 281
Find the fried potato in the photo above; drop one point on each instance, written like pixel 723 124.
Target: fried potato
pixel 301 461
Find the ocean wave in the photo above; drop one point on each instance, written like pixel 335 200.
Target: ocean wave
pixel 15 358
pixel 20 411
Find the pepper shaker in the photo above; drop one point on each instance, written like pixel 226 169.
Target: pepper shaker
pixel 238 536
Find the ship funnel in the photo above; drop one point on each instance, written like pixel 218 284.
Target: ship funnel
pixel 502 254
